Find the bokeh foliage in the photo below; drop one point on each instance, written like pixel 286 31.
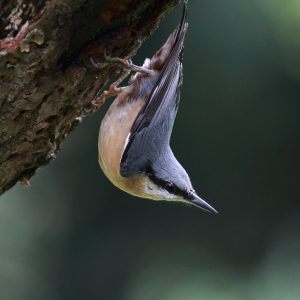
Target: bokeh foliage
pixel 72 235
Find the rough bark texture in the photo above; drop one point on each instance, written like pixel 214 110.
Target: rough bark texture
pixel 47 83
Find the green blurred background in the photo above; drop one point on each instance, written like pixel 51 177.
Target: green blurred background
pixel 73 235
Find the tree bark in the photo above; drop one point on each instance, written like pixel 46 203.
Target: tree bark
pixel 47 82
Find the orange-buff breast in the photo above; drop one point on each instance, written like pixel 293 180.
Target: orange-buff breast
pixel 113 133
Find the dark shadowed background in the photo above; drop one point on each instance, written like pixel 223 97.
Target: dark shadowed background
pixel 73 235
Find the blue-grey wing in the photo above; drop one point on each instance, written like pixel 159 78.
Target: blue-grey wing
pixel 151 130
pixel 149 142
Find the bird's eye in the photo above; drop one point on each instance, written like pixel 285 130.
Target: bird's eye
pixel 170 187
pixel 189 194
pixel 169 184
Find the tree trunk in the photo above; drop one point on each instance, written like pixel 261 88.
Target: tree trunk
pixel 47 82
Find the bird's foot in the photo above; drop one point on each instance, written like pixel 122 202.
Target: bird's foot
pixel 113 90
pixel 124 63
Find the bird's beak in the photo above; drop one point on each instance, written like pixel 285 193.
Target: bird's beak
pixel 197 201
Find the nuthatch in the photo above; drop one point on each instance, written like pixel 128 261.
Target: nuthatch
pixel 134 137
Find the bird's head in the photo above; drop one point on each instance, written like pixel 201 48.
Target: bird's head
pixel 168 180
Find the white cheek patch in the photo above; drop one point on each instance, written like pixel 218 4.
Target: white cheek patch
pixel 158 193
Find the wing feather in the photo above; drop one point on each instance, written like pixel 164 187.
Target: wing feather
pixel 151 130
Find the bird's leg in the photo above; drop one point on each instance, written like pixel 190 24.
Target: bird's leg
pixel 127 64
pixel 124 63
pixel 113 90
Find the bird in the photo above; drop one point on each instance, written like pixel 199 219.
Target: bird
pixel 134 136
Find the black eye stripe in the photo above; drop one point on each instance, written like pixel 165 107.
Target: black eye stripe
pixel 171 188
pixel 167 185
